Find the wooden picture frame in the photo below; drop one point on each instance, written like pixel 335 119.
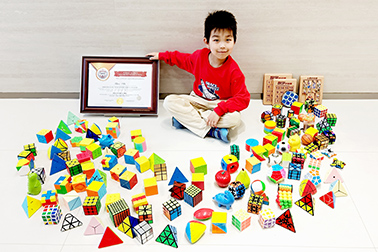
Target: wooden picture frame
pixel 268 85
pixel 311 87
pixel 119 85
pixel 280 87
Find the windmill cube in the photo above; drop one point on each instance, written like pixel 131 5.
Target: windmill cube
pixel 45 136
pixel 253 164
pixel 118 149
pixel 255 203
pixel 294 171
pixel 128 180
pixel 177 191
pixel 92 205
pixel 150 186
pixel 127 226
pixel 72 200
pixel 297 107
pixel 142 164
pixel 130 156
pixel 74 167
pixel 41 175
pixel 113 129
pixel 192 195
pixel 168 236
pixel 118 211
pixel 88 168
pixel 111 198
pixel 143 232
pixel 85 142
pixel 198 179
pixel 171 209
pixel 94 150
pixel 320 111
pixel 108 162
pixel 139 200
pixel 160 171
pixel 145 213
pixel 241 219
pixel 198 165
pixel 51 214
pixel 49 197
pixel 321 141
pixel 218 223
pixel 79 183
pixel 63 185
pixel 117 171
pixel 96 188
pixel 230 163
pixel 331 119
pixel 267 218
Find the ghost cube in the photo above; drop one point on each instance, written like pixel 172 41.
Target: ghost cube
pixel 276 109
pixel 241 219
pixel 321 141
pixel 294 171
pixel 145 213
pixel 51 214
pixel 331 119
pixel 142 164
pixel 143 232
pixel 130 156
pixel 253 165
pixel 193 195
pixel 323 126
pixel 289 98
pixel 41 174
pixel 118 211
pixel 198 165
pixel 128 180
pixel 74 167
pixel 113 129
pixel 118 149
pixel 139 200
pixel 92 205
pixel 94 150
pixel 177 191
pixel 267 219
pixel 171 209
pixel 45 136
pixel 79 183
pixel 330 135
pixel 96 188
pixel 117 171
pixel 49 197
pixel 63 185
pixel 237 189
pixel 255 203
pixel 281 121
pixel 297 107
pixel 320 111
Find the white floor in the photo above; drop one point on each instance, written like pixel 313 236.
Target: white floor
pixel 351 226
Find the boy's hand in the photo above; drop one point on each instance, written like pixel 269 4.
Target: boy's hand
pixel 153 55
pixel 213 119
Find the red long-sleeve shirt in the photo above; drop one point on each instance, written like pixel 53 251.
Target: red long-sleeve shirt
pixel 226 82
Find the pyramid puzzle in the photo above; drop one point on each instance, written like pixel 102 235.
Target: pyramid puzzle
pixel 306 203
pixel 168 236
pixel 286 220
pixel 70 222
pixel 109 239
pixel 71 118
pixel 31 205
pixel 329 199
pixel 155 160
pixel 94 227
pixel 178 177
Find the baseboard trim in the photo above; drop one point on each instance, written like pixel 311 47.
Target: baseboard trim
pixel 76 95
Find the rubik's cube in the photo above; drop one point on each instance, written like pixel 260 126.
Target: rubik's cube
pixel 150 186
pixel 320 111
pixel 237 189
pixel 118 211
pixel 108 162
pixel 128 180
pixel 49 197
pixel 271 139
pixel 311 148
pixel 276 109
pixel 297 107
pixel 118 149
pixel 218 223
pixel 310 105
pixel 40 173
pixel 314 176
pixel 253 164
pixel 139 200
pixel 112 128
pixel 145 213
pixel 255 203
pixel 294 171
pixel 143 232
pixel 294 122
pixel 45 136
pixel 130 156
pixel 171 209
pixel 79 183
pixel 111 198
pixel 96 188
pixel 193 195
pixel 235 150
pixel 298 158
pixel 321 141
pixel 85 142
pixel 63 185
pixel 266 116
pixel 241 219
pixel 284 196
pixel 51 214
pixel 198 165
pixel 177 191
pixel 331 119
pixel 142 164
pixel 74 167
pixel 281 121
pixel 135 133
pixel 31 147
pixel 289 98
pixel 331 136
pixel 198 179
pixel 92 205
pixel 267 219
pixel 323 126
pixel 279 133
pixel 94 150
pixel 160 171
pixel 117 171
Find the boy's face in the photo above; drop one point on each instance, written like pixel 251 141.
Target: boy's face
pixel 221 44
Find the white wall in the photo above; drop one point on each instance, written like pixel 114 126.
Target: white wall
pixel 42 42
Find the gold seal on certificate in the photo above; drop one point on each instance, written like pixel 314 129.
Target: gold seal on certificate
pixel 102 70
pixel 119 101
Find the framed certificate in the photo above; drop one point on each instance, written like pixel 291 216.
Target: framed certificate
pixel 119 85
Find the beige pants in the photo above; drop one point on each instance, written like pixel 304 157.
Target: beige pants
pixel 192 112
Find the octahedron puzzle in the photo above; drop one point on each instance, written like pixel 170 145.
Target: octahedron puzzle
pixel 171 209
pixel 118 211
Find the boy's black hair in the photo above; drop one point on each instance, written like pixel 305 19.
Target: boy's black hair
pixel 220 20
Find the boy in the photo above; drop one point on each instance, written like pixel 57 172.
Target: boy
pixel 219 91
